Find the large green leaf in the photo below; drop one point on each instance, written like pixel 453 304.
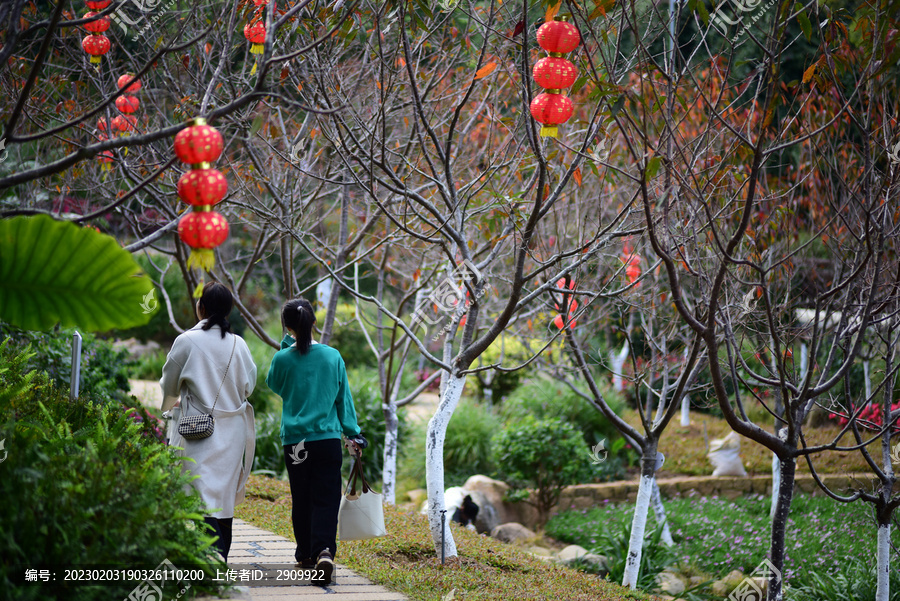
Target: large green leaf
pixel 57 272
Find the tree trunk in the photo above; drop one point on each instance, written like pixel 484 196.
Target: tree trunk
pixel 883 591
pixel 639 521
pixel 660 511
pixel 779 526
pixel 618 363
pixel 776 482
pixel 434 463
pixel 686 411
pixel 389 472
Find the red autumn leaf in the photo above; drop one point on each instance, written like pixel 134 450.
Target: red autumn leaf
pixel 520 27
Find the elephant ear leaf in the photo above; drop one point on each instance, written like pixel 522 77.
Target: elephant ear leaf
pixel 55 272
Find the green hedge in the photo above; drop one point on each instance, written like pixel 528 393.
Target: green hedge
pixel 82 484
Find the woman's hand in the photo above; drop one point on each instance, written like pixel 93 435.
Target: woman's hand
pixel 353 448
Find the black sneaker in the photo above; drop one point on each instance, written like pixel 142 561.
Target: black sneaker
pixel 307 563
pixel 324 568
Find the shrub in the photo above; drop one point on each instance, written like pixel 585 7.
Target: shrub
pixel 548 399
pixel 545 455
pixel 81 486
pixel 149 366
pixel 269 455
pixel 104 374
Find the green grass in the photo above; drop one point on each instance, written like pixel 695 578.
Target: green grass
pixel 716 536
pixel 405 560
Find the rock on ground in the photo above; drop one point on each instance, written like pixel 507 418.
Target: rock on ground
pixel 512 532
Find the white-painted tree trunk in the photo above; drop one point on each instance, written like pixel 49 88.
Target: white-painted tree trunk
pixel 776 482
pixel 804 360
pixel 883 590
pixel 617 360
pixel 660 511
pixel 323 293
pixel 638 527
pixel 389 471
pixel 868 380
pixel 434 463
pixel 686 411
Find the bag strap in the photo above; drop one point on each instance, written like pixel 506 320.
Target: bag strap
pixel 357 465
pixel 225 375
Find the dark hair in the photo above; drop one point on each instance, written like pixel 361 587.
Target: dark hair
pixel 298 315
pixel 216 302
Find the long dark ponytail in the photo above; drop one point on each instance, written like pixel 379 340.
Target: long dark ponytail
pixel 298 315
pixel 216 302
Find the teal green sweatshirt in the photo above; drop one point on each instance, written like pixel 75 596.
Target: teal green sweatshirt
pixel 318 404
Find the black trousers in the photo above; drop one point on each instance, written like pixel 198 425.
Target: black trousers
pixel 221 527
pixel 315 475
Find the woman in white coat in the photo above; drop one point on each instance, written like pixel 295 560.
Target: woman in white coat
pixel 209 365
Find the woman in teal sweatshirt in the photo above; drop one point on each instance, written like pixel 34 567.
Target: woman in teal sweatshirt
pixel 318 408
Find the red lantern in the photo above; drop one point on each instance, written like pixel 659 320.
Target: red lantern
pixel 102 124
pixel 98 26
pixel 551 110
pixel 203 229
pixel 558 36
pixel 124 79
pixel 202 187
pixel 97 4
pixel 96 45
pixel 198 143
pixel 554 73
pixel 256 35
pixel 124 123
pixel 128 104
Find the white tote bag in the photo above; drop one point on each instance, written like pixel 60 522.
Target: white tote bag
pixel 361 515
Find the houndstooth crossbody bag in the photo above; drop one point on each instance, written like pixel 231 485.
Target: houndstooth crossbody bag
pixel 198 427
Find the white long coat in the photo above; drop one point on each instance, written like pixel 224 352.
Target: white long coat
pixel 197 362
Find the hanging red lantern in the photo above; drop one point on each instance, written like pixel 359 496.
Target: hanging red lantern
pixel 551 110
pixel 97 4
pixel 97 26
pixel 124 79
pixel 128 104
pixel 202 230
pixel 198 143
pixel 554 73
pixel 102 124
pixel 96 45
pixel 256 35
pixel 558 36
pixel 202 187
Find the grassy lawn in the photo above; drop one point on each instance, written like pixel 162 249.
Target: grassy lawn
pixel 405 559
pixel 715 536
pixel 685 449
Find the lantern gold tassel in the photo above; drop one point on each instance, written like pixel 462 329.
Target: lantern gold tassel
pixel 204 258
pixel 549 132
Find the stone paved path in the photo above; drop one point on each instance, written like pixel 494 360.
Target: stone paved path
pixel 254 547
